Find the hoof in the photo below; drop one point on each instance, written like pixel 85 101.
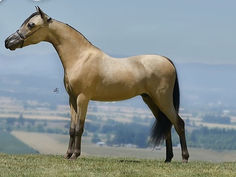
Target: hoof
pixel 167 160
pixel 74 156
pixel 185 156
pixel 67 155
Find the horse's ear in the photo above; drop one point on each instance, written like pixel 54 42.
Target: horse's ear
pixel 42 14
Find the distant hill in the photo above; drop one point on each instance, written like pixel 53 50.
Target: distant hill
pixel 207 85
pixel 35 77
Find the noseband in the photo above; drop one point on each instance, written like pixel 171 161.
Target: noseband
pixel 22 38
pixel 21 35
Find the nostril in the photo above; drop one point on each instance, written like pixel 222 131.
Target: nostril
pixel 6 43
pixel 9 42
pixel 13 41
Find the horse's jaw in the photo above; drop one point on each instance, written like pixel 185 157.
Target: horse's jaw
pixel 14 41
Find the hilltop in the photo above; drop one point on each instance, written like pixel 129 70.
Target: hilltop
pixel 48 165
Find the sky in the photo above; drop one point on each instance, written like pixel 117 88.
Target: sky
pixel 184 30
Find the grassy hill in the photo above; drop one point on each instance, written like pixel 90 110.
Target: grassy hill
pixel 48 165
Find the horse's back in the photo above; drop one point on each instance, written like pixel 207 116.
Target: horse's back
pixel 155 63
pixel 127 77
pixel 147 66
pixel 160 73
pixel 138 68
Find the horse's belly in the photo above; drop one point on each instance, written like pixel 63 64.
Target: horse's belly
pixel 116 93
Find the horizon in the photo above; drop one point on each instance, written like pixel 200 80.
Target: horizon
pixel 189 32
pixel 199 37
pixel 121 37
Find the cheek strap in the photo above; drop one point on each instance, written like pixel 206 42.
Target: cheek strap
pixel 22 37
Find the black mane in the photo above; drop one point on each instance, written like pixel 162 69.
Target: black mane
pixel 37 13
pixel 32 15
pixel 81 34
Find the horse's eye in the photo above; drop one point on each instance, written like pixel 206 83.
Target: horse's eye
pixel 31 25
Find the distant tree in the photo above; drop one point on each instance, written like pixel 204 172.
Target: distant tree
pixel 193 137
pixel 45 123
pixel 92 127
pixel 216 119
pixel 11 121
pixel 95 138
pixel 32 122
pixel 107 129
pixel 21 119
pixel 40 128
pixel 131 134
pixel 67 125
pixel 217 139
pixel 8 128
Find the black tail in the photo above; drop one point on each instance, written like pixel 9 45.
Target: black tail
pixel 162 124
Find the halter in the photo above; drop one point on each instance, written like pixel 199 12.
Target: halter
pixel 23 37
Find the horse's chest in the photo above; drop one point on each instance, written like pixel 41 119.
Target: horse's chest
pixel 68 85
pixel 73 85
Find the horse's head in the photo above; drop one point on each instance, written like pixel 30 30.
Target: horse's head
pixel 32 31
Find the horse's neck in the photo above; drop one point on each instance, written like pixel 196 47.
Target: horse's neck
pixel 69 43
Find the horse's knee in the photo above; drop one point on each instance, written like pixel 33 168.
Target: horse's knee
pixel 181 124
pixel 72 132
pixel 181 121
pixel 79 131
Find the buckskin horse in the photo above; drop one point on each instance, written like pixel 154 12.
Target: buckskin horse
pixel 90 74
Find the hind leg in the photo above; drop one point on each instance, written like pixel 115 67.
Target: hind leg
pixel 153 107
pixel 164 101
pixel 179 127
pixel 169 147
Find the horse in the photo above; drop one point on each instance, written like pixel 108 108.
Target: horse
pixel 91 74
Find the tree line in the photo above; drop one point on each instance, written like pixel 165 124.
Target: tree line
pixel 130 133
pixel 133 133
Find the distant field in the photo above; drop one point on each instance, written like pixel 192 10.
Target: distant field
pixel 57 144
pixel 11 145
pixel 51 166
pixel 215 125
pixel 13 108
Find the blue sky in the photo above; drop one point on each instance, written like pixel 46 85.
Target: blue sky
pixel 185 31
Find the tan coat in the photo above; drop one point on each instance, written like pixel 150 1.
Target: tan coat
pixel 90 74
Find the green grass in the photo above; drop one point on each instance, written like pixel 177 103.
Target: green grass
pixel 11 145
pixel 48 165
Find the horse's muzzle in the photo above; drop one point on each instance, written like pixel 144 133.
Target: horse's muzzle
pixel 14 41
